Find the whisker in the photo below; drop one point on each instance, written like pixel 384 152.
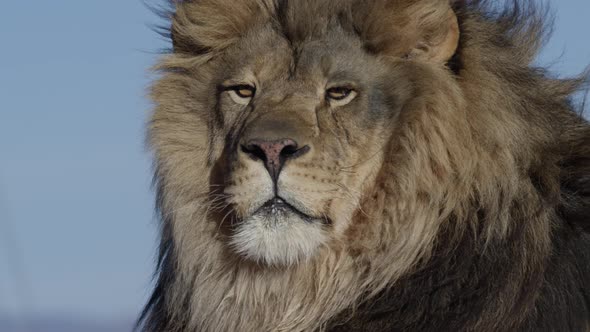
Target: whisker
pixel 223 220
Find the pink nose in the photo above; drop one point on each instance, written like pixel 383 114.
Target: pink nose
pixel 274 154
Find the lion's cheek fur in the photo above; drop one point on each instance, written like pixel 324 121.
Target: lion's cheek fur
pixel 358 185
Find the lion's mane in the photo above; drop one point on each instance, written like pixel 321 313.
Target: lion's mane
pixel 478 219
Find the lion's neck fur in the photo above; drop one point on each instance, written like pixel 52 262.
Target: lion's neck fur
pixel 228 295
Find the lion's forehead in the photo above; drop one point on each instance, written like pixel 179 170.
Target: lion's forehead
pixel 277 61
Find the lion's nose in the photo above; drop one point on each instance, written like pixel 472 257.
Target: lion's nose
pixel 274 154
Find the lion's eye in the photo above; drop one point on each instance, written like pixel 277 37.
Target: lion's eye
pixel 242 94
pixel 340 96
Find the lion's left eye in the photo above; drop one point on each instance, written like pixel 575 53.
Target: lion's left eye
pixel 340 96
pixel 242 94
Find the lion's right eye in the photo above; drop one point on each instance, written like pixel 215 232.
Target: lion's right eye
pixel 241 94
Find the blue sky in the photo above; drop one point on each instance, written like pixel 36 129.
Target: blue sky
pixel 77 233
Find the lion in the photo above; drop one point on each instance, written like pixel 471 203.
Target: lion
pixel 367 165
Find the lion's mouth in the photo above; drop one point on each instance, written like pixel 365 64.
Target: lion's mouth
pixel 278 207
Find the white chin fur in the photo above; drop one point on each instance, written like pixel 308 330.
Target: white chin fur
pixel 278 239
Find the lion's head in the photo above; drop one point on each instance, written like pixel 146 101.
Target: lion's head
pixel 310 152
pixel 293 110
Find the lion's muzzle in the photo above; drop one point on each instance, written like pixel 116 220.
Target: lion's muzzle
pixel 278 218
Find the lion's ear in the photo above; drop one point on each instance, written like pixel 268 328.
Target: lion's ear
pixel 425 30
pixel 438 46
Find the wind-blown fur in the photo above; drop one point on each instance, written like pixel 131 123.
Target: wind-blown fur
pixel 476 218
